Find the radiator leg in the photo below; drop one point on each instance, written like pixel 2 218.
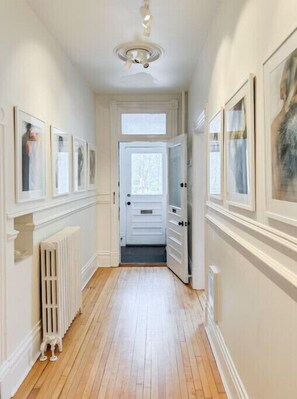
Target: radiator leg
pixel 60 344
pixel 53 358
pixel 43 349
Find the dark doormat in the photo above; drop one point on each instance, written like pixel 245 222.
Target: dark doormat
pixel 143 254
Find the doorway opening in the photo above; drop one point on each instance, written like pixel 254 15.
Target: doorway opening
pixel 143 193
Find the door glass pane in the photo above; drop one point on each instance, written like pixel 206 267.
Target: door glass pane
pixel 143 124
pixel 146 174
pixel 174 176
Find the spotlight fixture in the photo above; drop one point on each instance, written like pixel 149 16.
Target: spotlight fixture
pixel 146 18
pixel 142 53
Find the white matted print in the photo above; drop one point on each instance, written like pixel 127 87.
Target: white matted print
pixel 61 150
pixel 215 156
pixel 92 163
pixel 239 147
pixel 280 91
pixel 30 142
pixel 79 164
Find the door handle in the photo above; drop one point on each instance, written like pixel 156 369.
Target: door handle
pixel 180 223
pixel 128 203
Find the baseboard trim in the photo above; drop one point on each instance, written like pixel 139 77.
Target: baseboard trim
pixel 230 377
pixel 19 363
pixel 89 269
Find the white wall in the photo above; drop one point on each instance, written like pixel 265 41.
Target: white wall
pixel 255 336
pixel 36 76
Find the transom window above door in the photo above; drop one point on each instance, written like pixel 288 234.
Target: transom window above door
pixel 149 124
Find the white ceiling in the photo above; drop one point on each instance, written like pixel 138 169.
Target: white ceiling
pixel 89 30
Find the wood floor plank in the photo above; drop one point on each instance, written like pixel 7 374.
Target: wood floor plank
pixel 140 336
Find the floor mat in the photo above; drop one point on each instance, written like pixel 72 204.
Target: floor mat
pixel 143 254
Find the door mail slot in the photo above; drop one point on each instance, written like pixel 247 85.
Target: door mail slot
pixel 146 212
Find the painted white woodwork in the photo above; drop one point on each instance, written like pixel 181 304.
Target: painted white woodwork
pixel 2 246
pixel 167 104
pixel 143 211
pixel 256 256
pixel 177 216
pixel 198 207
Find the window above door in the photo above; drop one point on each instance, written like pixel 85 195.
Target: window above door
pixel 144 120
pixel 144 124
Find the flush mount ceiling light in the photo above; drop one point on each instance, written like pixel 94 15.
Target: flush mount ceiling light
pixel 138 53
pixel 147 18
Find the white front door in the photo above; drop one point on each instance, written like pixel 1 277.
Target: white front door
pixel 145 202
pixel 177 222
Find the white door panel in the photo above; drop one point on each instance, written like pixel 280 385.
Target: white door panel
pixel 177 237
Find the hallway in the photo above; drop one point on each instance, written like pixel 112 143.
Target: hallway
pixel 141 335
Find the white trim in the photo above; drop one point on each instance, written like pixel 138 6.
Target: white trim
pixel 2 244
pixel 51 205
pixel 198 206
pixel 274 235
pixel 89 269
pixel 230 377
pixel 284 278
pixel 199 124
pixel 20 362
pixel 103 258
pixel 115 109
pixel 61 215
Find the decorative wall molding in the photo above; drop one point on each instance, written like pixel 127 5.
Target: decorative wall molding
pixel 2 243
pixel 12 235
pixel 37 208
pixel 55 216
pixel 20 362
pixel 103 258
pixel 89 269
pixel 199 123
pixel 277 236
pixel 230 377
pixel 275 271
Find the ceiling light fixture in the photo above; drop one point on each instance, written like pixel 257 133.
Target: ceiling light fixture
pixel 138 53
pixel 147 18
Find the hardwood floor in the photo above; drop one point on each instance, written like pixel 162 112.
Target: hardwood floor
pixel 140 335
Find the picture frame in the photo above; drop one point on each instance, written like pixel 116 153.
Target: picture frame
pixel 79 164
pixel 280 115
pixel 215 155
pixel 239 147
pixel 92 164
pixel 61 162
pixel 30 157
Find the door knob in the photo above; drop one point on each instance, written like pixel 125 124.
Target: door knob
pixel 128 203
pixel 180 223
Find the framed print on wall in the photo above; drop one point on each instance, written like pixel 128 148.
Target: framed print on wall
pixel 239 147
pixel 60 148
pixel 79 164
pixel 30 143
pixel 280 98
pixel 215 156
pixel 92 162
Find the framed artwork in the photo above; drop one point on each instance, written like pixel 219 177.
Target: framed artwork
pixel 92 167
pixel 79 164
pixel 280 97
pixel 239 147
pixel 30 143
pixel 60 148
pixel 215 156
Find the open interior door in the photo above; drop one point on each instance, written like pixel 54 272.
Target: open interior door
pixel 177 222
